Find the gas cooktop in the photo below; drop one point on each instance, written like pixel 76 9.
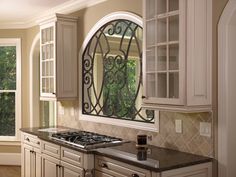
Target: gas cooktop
pixel 86 140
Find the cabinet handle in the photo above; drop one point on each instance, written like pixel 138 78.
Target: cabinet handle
pixel 27 139
pixel 103 165
pixel 135 175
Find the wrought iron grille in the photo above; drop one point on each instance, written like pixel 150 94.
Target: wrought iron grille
pixel 112 73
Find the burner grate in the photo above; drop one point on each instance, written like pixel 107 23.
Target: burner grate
pixel 86 139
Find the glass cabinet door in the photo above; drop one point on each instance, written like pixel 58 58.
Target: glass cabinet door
pixel 47 62
pixel 162 61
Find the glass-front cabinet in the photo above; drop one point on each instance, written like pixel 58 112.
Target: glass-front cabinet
pixel 48 61
pixel 173 31
pixel 164 49
pixel 58 58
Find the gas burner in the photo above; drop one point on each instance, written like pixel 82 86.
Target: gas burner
pixel 86 140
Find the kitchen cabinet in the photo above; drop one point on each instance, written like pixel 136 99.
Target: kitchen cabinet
pixel 60 161
pixel 50 166
pixel 31 161
pixel 107 167
pixel 177 54
pixel 58 58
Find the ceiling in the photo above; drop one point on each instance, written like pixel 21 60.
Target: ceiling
pixel 25 13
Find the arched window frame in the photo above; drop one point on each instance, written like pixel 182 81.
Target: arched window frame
pixel 119 122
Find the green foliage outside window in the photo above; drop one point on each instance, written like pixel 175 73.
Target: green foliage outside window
pixel 7 82
pixel 120 82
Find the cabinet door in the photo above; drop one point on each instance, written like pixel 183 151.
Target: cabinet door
pixel 47 61
pixel 69 170
pixel 38 163
pixel 50 166
pixel 164 51
pixel 27 161
pixel 199 52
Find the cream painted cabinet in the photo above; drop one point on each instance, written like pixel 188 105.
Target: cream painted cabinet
pixel 31 157
pixel 106 167
pixel 59 161
pixel 58 58
pixel 201 170
pixel 177 54
pixel 50 166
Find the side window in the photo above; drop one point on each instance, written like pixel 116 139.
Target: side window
pixel 112 73
pixel 10 89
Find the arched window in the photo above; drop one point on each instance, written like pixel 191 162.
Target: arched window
pixel 111 74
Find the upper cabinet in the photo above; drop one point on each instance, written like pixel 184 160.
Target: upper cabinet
pixel 58 58
pixel 177 54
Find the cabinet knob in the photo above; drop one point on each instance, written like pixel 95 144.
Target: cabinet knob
pixel 27 139
pixel 135 175
pixel 103 165
pixel 53 93
pixel 143 97
pixel 38 143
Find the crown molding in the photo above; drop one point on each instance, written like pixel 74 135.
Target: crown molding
pixel 65 8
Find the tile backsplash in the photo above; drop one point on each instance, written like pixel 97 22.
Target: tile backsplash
pixel 189 140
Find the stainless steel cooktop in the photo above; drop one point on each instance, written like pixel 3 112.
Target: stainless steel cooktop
pixel 86 140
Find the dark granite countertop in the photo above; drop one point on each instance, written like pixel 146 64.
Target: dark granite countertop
pixel 154 158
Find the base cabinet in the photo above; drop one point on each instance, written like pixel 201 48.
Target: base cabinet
pixel 44 159
pixel 50 166
pixel 31 161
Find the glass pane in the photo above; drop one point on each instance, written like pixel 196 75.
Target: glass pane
pixel 48 56
pixel 43 85
pixel 150 9
pixel 43 69
pixel 150 61
pixel 174 28
pixel 161 58
pixel 173 5
pixel 151 32
pixel 48 85
pixel 48 35
pixel 7 67
pixel 43 40
pixel 51 34
pixel 51 68
pixel 43 52
pixel 47 113
pixel 174 85
pixel 161 6
pixel 162 85
pixel 51 85
pixel 151 88
pixel 161 30
pixel 7 114
pixel 174 57
pixel 51 51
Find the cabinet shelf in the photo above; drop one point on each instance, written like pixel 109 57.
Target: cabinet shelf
pixel 47 43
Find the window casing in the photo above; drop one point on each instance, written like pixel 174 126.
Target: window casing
pixel 89 116
pixel 10 89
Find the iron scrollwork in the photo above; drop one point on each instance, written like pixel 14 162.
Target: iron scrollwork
pixel 112 73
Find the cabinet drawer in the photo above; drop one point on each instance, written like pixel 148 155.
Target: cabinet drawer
pixel 31 140
pixel 71 156
pixel 100 174
pixel 116 168
pixel 50 149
